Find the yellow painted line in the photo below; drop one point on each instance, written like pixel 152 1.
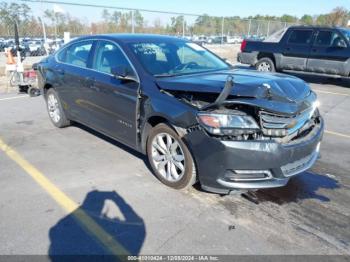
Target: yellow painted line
pixel 332 93
pixel 13 97
pixel 67 203
pixel 336 134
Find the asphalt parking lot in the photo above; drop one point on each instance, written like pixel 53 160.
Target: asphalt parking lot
pixel 73 191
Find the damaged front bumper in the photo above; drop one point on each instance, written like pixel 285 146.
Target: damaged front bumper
pixel 228 165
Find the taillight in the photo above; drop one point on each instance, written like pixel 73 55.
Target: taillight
pixel 243 45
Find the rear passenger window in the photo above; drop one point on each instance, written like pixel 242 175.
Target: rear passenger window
pixel 77 54
pixel 300 37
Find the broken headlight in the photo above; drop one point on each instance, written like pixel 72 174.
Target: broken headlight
pixel 228 124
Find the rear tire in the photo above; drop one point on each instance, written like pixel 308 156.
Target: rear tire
pixel 170 158
pixel 55 109
pixel 265 64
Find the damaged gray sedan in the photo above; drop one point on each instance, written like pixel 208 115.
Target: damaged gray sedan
pixel 196 118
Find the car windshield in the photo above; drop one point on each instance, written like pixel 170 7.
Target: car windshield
pixel 346 33
pixel 176 58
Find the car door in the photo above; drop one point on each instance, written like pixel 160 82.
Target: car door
pixel 71 72
pixel 111 101
pixel 296 49
pixel 328 53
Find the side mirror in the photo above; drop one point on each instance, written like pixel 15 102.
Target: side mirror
pixel 35 66
pixel 342 44
pixel 123 73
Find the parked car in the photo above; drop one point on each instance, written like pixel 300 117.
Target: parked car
pixel 191 113
pixel 226 40
pixel 24 50
pixel 233 39
pixel 218 40
pixel 35 48
pixel 200 40
pixel 324 50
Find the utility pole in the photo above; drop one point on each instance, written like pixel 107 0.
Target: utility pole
pixel 55 25
pixel 222 30
pixel 249 27
pixel 44 30
pixel 132 22
pixel 183 27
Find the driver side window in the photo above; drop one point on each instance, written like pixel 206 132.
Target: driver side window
pixel 109 56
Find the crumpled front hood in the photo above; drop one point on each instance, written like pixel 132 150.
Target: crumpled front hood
pixel 268 90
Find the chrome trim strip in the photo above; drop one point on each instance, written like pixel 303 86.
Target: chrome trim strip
pixel 267 172
pixel 274 121
pixel 254 185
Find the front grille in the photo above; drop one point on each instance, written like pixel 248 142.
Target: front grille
pixel 281 125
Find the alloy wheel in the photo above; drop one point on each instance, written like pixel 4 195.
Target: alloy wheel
pixel 168 157
pixel 53 108
pixel 264 67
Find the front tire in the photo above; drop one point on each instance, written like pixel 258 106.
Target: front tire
pixel 265 64
pixel 170 158
pixel 55 109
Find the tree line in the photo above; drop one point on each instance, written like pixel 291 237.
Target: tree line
pixel 117 21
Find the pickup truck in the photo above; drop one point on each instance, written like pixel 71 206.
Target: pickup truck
pixel 321 50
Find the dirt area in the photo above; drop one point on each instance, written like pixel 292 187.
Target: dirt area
pixel 228 52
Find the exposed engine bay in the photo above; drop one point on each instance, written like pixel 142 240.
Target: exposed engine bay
pixel 264 124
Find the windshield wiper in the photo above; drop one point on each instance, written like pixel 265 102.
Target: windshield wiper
pixel 165 75
pixel 193 72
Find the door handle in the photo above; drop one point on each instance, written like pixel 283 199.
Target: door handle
pixel 288 49
pixel 314 50
pixel 90 83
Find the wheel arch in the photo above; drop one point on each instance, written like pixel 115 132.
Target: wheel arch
pixel 46 88
pixel 266 55
pixel 149 123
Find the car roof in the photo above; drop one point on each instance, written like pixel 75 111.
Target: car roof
pixel 127 38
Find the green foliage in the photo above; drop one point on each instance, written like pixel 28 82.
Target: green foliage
pixel 306 20
pixel 13 12
pixel 289 19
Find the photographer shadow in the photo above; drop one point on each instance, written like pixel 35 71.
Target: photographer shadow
pixel 79 233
